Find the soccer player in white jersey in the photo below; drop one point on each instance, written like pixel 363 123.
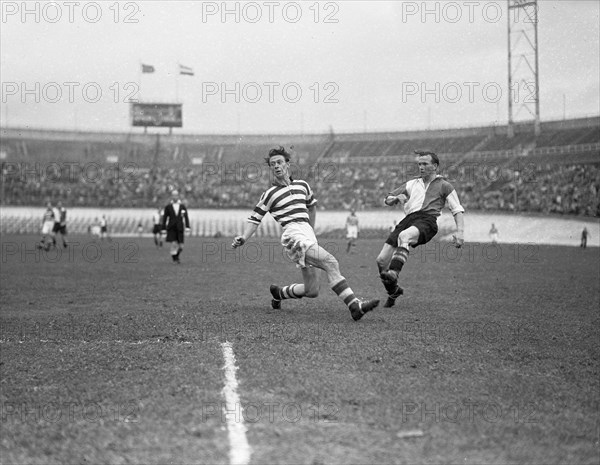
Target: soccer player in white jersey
pixel 293 206
pixel 157 228
pixel 423 199
pixel 351 230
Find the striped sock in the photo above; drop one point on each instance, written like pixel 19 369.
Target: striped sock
pixel 399 259
pixel 288 292
pixel 344 292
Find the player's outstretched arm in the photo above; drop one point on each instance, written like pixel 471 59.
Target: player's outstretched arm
pixel 249 231
pixel 459 238
pixel 391 200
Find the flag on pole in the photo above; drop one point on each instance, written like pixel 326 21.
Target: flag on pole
pixel 147 68
pixel 186 70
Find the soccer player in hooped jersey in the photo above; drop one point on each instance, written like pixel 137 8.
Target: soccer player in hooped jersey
pixel 293 206
pixel 423 199
pixel 47 226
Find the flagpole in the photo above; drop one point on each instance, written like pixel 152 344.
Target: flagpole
pixel 177 83
pixel 140 79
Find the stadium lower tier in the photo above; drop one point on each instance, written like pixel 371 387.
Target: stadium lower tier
pixel 512 186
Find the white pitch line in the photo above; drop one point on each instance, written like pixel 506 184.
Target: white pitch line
pixel 239 453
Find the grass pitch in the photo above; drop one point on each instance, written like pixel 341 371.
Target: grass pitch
pixel 109 353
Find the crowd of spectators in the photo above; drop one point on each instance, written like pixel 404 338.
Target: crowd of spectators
pixel 543 188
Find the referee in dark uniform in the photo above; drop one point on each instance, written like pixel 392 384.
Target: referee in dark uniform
pixel 176 223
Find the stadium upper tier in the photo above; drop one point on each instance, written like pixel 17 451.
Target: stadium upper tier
pixel 557 171
pixel 146 150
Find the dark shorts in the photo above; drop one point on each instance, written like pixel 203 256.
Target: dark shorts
pixel 175 236
pixel 62 228
pixel 424 222
pixel 156 229
pixel 103 229
pixel 56 227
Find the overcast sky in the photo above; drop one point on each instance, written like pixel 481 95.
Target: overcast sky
pixel 292 67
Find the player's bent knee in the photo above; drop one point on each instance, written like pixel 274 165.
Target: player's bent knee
pixel 407 238
pixel 381 260
pixel 329 263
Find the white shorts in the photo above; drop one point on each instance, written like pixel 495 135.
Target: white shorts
pixel 297 238
pixel 494 237
pixel 351 232
pixel 47 227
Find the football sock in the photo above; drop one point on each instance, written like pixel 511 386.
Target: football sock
pixel 344 292
pixel 290 292
pixel 175 250
pixel 399 259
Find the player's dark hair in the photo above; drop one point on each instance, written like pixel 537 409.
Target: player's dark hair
pixel 278 151
pixel 434 157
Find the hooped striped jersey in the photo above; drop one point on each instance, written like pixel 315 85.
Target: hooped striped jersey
pixel 48 215
pixel 287 204
pixel 429 198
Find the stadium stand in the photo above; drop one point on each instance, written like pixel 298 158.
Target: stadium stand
pixel 556 172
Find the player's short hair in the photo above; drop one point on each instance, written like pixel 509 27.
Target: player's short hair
pixel 278 151
pixel 434 157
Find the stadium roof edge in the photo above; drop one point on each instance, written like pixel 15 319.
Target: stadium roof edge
pixel 520 127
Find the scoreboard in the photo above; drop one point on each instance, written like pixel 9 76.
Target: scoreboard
pixel 166 115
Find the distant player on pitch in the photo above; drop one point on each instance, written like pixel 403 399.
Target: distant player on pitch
pixel 293 206
pixel 47 227
pixel 494 234
pixel 104 228
pixel 60 224
pixel 584 237
pixel 351 230
pixel 176 223
pixel 157 228
pixel 423 199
